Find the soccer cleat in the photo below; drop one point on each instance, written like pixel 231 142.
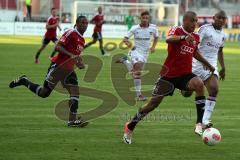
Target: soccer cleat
pixel 207 124
pixel 127 136
pixel 17 82
pixel 141 98
pixel 198 129
pixel 77 123
pixel 121 60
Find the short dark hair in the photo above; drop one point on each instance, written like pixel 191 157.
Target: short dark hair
pixel 79 19
pixel 52 8
pixel 145 13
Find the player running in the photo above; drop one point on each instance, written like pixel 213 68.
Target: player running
pixel 98 20
pixel 182 46
pixel 211 45
pixel 69 48
pixel 51 33
pixel 142 33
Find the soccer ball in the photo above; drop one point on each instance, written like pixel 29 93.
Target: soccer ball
pixel 211 136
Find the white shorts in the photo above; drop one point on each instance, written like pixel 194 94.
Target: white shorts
pixel 136 57
pixel 203 73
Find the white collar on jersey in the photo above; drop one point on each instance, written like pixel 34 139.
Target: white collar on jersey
pixel 78 33
pixel 184 30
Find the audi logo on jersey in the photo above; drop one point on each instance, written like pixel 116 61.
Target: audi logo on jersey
pixel 186 49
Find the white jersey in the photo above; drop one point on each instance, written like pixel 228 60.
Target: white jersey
pixel 210 42
pixel 142 37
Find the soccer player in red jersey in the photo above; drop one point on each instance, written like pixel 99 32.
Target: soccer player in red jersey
pixel 51 33
pixel 69 48
pixel 177 71
pixel 98 20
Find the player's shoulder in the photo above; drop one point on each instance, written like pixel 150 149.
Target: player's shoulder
pixel 152 26
pixel 173 28
pixel 49 18
pixel 206 26
pixel 134 27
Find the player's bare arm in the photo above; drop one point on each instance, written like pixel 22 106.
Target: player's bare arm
pixel 221 62
pixel 155 40
pixel 58 26
pixel 51 26
pixel 127 42
pixel 201 59
pixel 175 39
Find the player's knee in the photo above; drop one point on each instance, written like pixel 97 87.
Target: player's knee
pixel 198 84
pixel 44 93
pixel 136 74
pixel 213 90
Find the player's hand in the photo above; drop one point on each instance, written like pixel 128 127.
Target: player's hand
pixel 128 43
pixel 152 49
pixel 222 74
pixel 189 38
pixel 79 62
pixel 211 68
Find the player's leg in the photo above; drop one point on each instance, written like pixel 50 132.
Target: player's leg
pixel 71 84
pixel 197 85
pixel 124 60
pixel 212 86
pixel 136 72
pixel 41 91
pixel 54 40
pixel 44 44
pixel 162 88
pixel 100 39
pixel 93 41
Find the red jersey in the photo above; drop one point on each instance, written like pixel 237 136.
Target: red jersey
pixel 73 42
pixel 52 32
pixel 98 20
pixel 179 59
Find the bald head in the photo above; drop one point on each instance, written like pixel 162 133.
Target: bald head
pixel 189 14
pixel 219 19
pixel 189 21
pixel 221 13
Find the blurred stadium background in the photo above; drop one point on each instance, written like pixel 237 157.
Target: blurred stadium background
pixel 164 13
pixel 29 129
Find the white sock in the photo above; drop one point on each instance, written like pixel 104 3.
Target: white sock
pixel 128 65
pixel 138 86
pixel 209 107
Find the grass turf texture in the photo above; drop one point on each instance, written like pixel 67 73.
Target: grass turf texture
pixel 29 128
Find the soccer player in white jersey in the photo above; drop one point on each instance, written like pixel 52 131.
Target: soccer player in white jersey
pixel 211 45
pixel 142 33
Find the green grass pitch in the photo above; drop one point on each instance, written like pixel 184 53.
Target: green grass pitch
pixel 29 128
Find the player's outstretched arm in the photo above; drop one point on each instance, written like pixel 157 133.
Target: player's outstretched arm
pixel 221 62
pixel 60 29
pixel 175 39
pixel 201 59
